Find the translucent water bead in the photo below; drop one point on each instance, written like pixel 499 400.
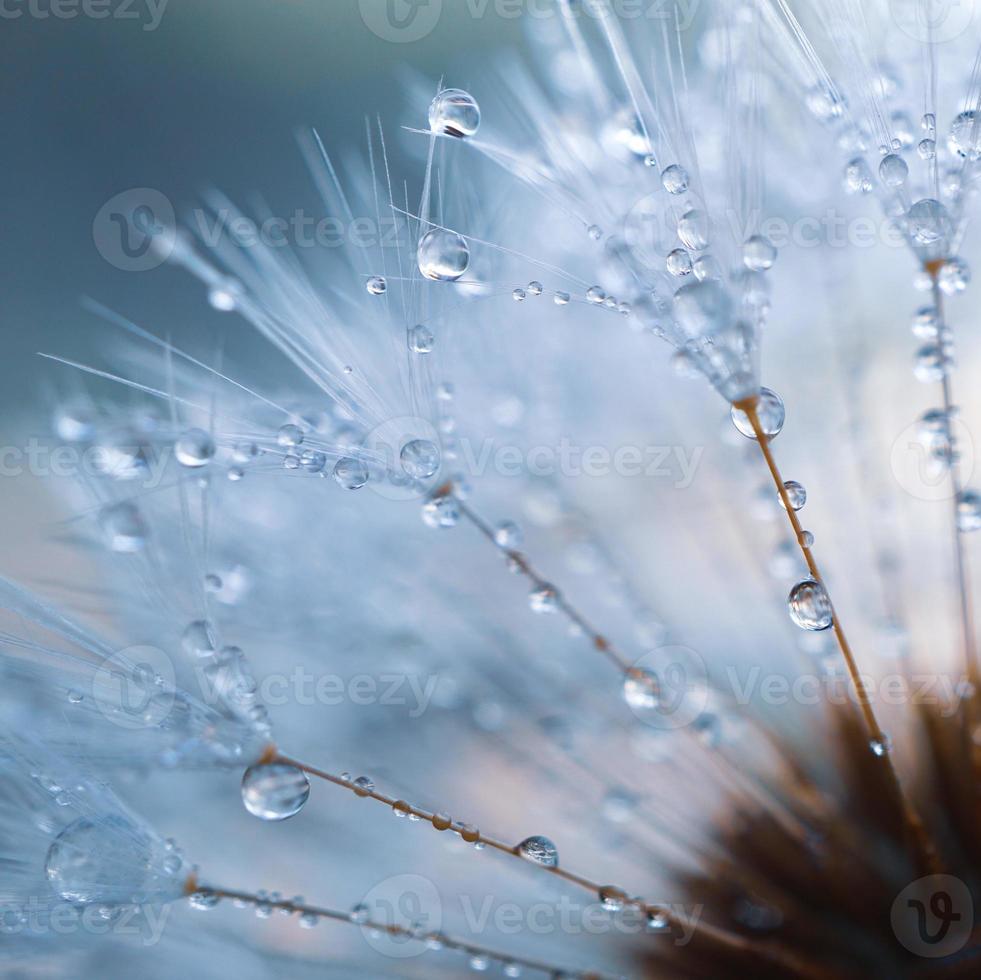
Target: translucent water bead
pixel 926 323
pixel 194 448
pixel 454 112
pixel 969 511
pixel 124 527
pixel 929 222
pixel 443 255
pixel 539 850
pixel 796 494
pixel 810 605
pixel 200 639
pixel 544 599
pixel 612 898
pixel 858 176
pixel 421 339
pixel 376 285
pixel 758 254
pixel 893 170
pixel 965 135
pixel 420 458
pixel 693 229
pixel 351 474
pixel 442 511
pixel 954 276
pixel 678 262
pixel 275 790
pixel 508 535
pixel 675 179
pixel 930 364
pixel 99 859
pixel 641 689
pixel 770 411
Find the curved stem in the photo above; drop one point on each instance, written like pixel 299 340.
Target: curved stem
pixel 924 851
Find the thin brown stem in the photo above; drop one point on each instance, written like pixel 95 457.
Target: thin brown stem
pixel 436 940
pixel 923 850
pixel 613 897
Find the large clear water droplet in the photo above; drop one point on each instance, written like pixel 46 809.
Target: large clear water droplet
pixel 893 170
pixel 194 448
pixel 678 262
pixel 454 112
pixel 443 255
pixel 810 605
pixel 675 179
pixel 99 859
pixel 274 790
pixel 771 413
pixel 693 229
pixel 929 222
pixel 351 474
pixel 539 850
pixel 420 458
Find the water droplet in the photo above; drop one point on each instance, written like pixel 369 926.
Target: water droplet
pixel 194 448
pixel 508 535
pixel 364 785
pixel 824 104
pixel 512 969
pixel 968 510
pixel 106 859
pixel 893 170
pixel 75 697
pixel 442 821
pixel 612 898
pixel 810 606
pixel 442 511
pixel 224 295
pixel 641 689
pixel 858 177
pixel 421 339
pixel 561 299
pixel 519 295
pixel 758 254
pixel 770 411
pixel 479 963
pixel 693 229
pixel 539 850
pixel 454 112
pixel 376 285
pixel 926 323
pixel 420 458
pixel 930 364
pixel 594 232
pixel 308 920
pixel 880 746
pixel 203 899
pixel 678 262
pixel 595 294
pixel 200 639
pixel 796 494
pixel 706 267
pixel 351 474
pixel 443 255
pixel 400 808
pixel 929 222
pixel 543 599
pixel 954 276
pixel 124 527
pixel 806 539
pixel 274 790
pixel 965 135
pixel 927 149
pixel 675 179
pixel 359 913
pixel 535 288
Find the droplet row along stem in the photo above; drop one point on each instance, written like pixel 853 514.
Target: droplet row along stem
pixel 922 848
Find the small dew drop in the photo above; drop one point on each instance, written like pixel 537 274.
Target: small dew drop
pixel 539 850
pixel 810 606
pixel 544 599
pixel 796 494
pixel 376 285
pixel 454 112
